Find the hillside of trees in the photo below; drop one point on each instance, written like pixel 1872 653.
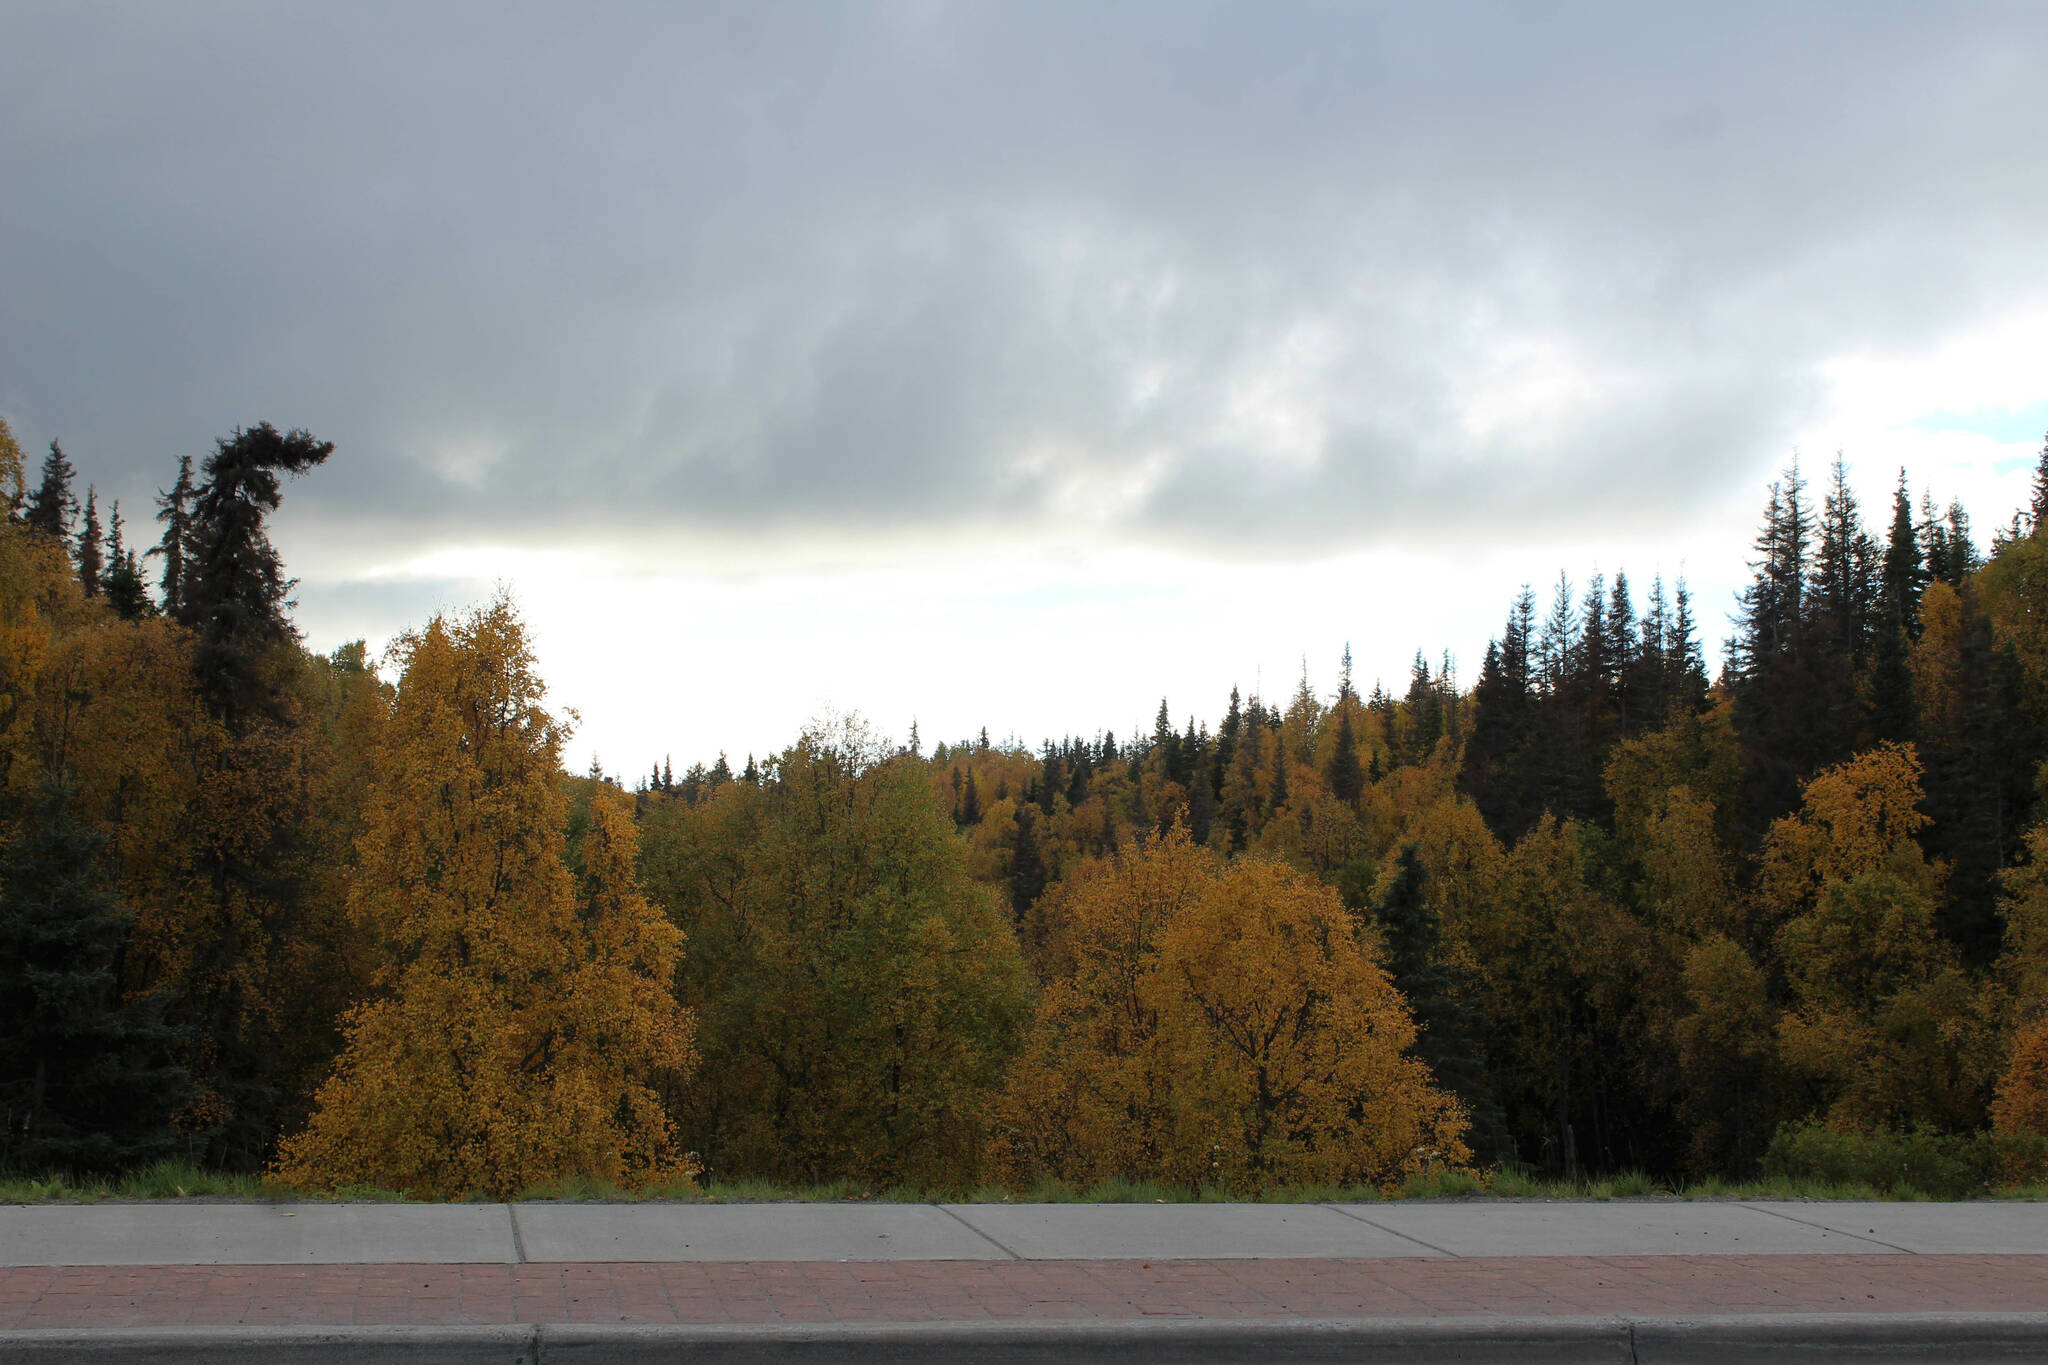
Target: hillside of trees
pixel 269 911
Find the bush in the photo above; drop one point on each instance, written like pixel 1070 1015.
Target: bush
pixel 1917 1161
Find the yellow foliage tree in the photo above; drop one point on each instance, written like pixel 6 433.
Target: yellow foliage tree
pixel 1859 816
pixel 1218 1025
pixel 1885 1026
pixel 521 1030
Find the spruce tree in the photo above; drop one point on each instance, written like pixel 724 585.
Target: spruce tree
pixel 1346 778
pixel 86 1080
pixel 1841 606
pixel 1896 627
pixel 1202 804
pixel 1425 712
pixel 50 506
pixel 91 551
pixel 1686 666
pixel 1649 682
pixel 1452 1030
pixel 1844 591
pixel 1497 758
pixel 970 803
pixel 126 592
pixel 1027 866
pixel 234 597
pixel 1784 703
pixel 1625 644
pixel 174 510
pixel 1981 761
pixel 1962 550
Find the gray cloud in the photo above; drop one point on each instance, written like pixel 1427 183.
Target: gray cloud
pixel 1254 278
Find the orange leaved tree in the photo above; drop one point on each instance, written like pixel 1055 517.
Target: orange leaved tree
pixel 1219 1025
pixel 522 1026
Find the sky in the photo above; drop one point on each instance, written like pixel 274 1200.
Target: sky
pixel 1019 364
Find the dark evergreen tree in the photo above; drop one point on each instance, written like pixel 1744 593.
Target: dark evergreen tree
pixel 1783 703
pixel 1685 666
pixel 1027 865
pixel 1201 805
pixel 1165 753
pixel 1381 704
pixel 1624 648
pixel 126 593
pixel 1649 684
pixel 1077 781
pixel 1845 588
pixel 1896 626
pixel 1961 559
pixel 1453 1031
pixel 1424 705
pixel 86 1080
pixel 1227 736
pixel 1496 774
pixel 1841 610
pixel 174 510
pixel 1346 778
pixel 50 505
pixel 91 555
pixel 235 590
pixel 1980 765
pixel 970 803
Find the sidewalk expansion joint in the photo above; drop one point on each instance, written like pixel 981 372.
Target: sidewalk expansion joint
pixel 977 1232
pixel 518 1238
pixel 1834 1232
pixel 1392 1232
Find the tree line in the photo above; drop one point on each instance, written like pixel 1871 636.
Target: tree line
pixel 264 909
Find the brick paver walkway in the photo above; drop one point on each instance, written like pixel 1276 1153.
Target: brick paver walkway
pixel 955 1291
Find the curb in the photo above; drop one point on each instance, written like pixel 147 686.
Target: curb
pixel 1958 1338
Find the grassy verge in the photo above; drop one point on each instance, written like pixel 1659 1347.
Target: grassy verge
pixel 177 1180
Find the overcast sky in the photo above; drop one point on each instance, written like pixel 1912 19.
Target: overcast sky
pixel 1018 364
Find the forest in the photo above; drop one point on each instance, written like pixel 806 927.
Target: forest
pixel 349 923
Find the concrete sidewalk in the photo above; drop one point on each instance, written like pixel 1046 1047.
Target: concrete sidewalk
pixel 1626 1280
pixel 509 1234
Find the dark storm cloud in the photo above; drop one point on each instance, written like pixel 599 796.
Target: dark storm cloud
pixel 1250 277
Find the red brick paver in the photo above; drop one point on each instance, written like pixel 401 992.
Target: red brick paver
pixel 952 1291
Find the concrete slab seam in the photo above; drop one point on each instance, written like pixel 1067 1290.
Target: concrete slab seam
pixel 518 1237
pixel 961 1219
pixel 1392 1232
pixel 1833 1232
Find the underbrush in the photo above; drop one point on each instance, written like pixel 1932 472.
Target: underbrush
pixel 1803 1163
